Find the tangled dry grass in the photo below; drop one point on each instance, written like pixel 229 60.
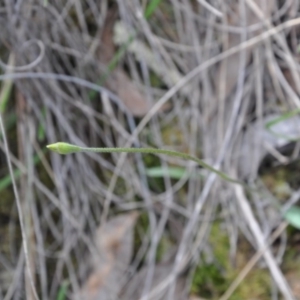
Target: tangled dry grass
pixel 192 76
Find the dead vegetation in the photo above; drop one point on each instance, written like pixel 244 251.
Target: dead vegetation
pixel 202 77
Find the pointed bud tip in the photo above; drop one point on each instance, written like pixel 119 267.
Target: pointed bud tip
pixel 63 148
pixel 53 147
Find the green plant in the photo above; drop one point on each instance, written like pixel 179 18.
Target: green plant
pixel 151 8
pixel 172 172
pixel 65 148
pixel 7 180
pixel 6 89
pixel 282 118
pixel 292 215
pixel 62 293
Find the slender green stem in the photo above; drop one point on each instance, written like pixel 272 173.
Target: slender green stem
pixel 65 148
pixel 165 152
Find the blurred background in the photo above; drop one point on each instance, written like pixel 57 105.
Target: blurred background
pixel 215 79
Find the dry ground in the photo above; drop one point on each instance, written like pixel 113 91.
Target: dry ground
pixel 201 77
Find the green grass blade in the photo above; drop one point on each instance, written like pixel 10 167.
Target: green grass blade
pixel 292 216
pixel 282 118
pixel 62 293
pixel 41 132
pixel 6 88
pixel 151 7
pixel 172 172
pixel 122 50
pixel 6 180
pixel 112 65
pixel 10 120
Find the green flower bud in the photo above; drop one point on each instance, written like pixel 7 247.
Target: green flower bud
pixel 64 148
